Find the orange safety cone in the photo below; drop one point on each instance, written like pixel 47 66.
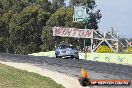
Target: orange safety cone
pixel 84 80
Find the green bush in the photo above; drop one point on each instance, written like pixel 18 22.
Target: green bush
pixel 129 50
pixel 103 49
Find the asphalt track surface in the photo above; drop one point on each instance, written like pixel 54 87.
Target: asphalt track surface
pixel 96 70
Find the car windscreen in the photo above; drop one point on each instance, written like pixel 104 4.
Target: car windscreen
pixel 72 47
pixel 66 46
pixel 63 46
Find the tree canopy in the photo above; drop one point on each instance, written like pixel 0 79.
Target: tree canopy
pixel 25 25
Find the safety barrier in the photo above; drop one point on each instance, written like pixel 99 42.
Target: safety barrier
pixel 49 54
pixel 100 57
pixel 108 57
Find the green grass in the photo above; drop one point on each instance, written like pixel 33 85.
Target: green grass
pixel 15 78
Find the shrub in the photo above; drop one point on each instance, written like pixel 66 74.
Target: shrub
pixel 129 50
pixel 103 49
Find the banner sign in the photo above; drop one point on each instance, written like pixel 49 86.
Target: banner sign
pixel 72 32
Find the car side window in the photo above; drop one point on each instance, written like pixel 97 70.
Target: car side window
pixel 62 47
pixel 57 47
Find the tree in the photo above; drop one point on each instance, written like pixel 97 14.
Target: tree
pixel 56 4
pixel 66 14
pixel 25 24
pixel 44 4
pixel 21 24
pixel 4 31
pixel 93 17
pixel 130 39
pixel 65 20
pixel 26 28
pixel 48 43
pixel 13 5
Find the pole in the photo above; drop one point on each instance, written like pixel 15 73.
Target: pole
pixel 91 48
pixel 117 46
pixel 92 45
pixel 85 44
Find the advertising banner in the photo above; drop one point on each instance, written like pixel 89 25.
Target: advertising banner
pixel 72 32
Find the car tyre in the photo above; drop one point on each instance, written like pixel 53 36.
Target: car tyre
pixel 77 58
pixel 57 56
pixel 72 57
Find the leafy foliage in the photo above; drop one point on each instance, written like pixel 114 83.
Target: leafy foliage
pixel 25 25
pixel 129 49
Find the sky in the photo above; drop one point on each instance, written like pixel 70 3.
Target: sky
pixel 116 14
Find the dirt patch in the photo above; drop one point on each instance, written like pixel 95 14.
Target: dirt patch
pixel 4 84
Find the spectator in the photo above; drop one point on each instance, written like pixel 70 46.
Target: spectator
pixel 89 48
pixel 94 45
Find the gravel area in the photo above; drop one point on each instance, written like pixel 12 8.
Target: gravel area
pixel 96 70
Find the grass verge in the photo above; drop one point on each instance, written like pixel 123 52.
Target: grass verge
pixel 15 78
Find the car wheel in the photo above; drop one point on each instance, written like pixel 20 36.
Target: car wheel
pixel 57 57
pixel 77 58
pixel 72 57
